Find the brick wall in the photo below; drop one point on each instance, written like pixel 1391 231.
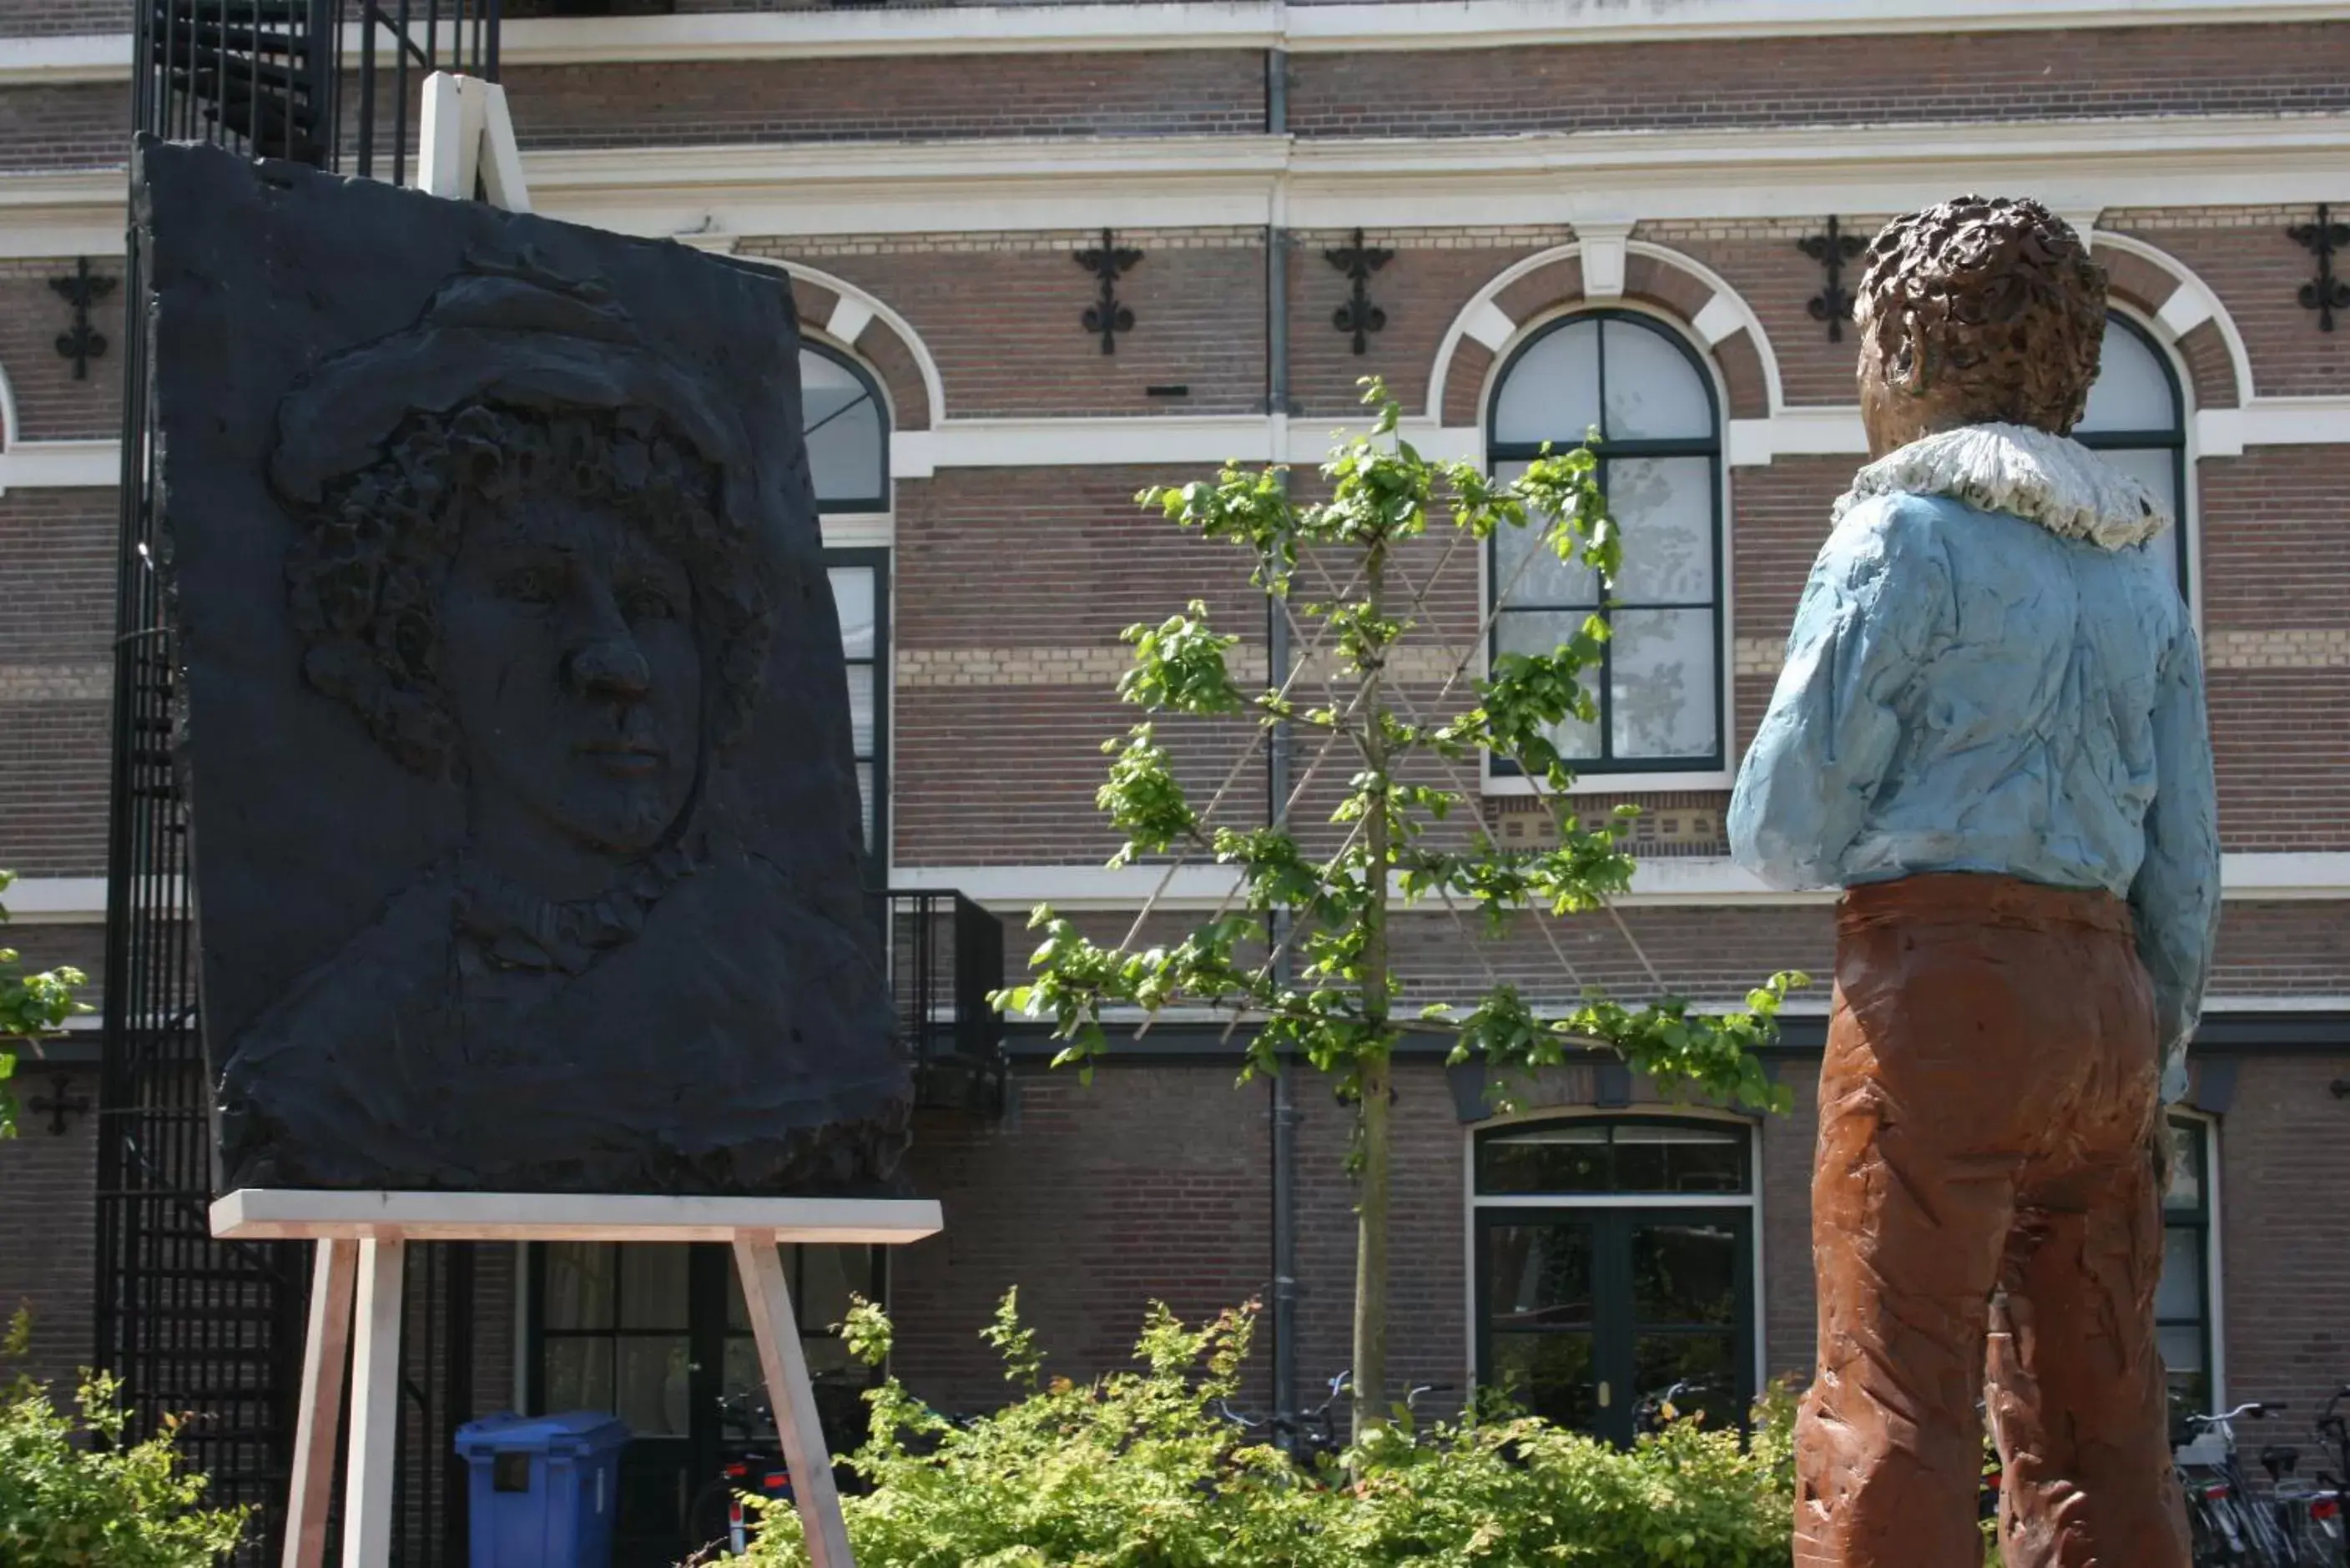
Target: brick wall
pixel 48 1259
pixel 1431 275
pixel 1153 1184
pixel 1819 81
pixel 52 403
pixel 53 783
pixel 1145 93
pixel 83 125
pixel 1003 316
pixel 2287 1269
pixel 24 18
pixel 1149 1184
pixel 2244 253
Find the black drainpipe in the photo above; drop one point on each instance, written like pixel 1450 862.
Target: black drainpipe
pixel 1277 787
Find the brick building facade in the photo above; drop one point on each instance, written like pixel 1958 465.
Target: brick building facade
pixel 920 176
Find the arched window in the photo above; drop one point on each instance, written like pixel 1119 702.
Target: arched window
pixel 1644 391
pixel 2135 422
pixel 846 426
pixel 848 430
pixel 1616 1269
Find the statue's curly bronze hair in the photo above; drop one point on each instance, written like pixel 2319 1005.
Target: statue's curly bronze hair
pixel 364 575
pixel 1989 302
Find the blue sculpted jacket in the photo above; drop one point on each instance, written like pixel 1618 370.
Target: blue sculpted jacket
pixel 1991 671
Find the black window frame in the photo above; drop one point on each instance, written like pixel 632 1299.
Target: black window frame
pixel 1611 1219
pixel 880 501
pixel 2197 1220
pixel 1499 451
pixel 2175 438
pixel 875 557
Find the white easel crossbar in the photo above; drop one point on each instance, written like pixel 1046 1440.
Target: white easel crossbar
pixel 355 1313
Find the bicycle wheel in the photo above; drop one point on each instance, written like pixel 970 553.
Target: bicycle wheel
pixel 706 1519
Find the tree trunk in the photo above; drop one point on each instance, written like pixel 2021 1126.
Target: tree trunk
pixel 1370 1358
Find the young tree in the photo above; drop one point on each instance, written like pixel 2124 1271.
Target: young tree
pixel 31 1006
pixel 1346 1007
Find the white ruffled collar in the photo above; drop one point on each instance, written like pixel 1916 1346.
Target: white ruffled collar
pixel 2049 480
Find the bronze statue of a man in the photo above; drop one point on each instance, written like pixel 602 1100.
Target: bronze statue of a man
pixel 1990 734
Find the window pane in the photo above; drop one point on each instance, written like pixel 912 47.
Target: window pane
pixel 844 430
pixel 1549 1374
pixel 2157 468
pixel 1553 390
pixel 1548 1160
pixel 1539 1276
pixel 1696 1374
pixel 852 597
pixel 653 1285
pixel 579 1374
pixel 2185 1192
pixel 2179 1296
pixel 579 1284
pixel 860 709
pixel 1684 1273
pixel 865 800
pixel 1662 680
pixel 2131 392
pixel 2182 1348
pixel 653 1396
pixel 1527 571
pixel 1679 1159
pixel 1653 392
pixel 827 1277
pixel 1665 507
pixel 1541 631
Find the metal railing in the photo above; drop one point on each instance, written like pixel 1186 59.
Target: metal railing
pixel 331 83
pixel 945 954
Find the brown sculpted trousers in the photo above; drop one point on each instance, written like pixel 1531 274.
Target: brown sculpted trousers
pixel 1986 1224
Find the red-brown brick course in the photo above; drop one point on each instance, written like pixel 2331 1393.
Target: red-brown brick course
pixel 1821 81
pixel 1146 93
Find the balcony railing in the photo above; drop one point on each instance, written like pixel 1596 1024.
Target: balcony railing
pixel 945 954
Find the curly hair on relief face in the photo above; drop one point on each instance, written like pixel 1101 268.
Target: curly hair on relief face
pixel 364 577
pixel 1991 301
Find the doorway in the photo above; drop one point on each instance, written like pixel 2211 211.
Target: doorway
pixel 658 1336
pixel 1615 1272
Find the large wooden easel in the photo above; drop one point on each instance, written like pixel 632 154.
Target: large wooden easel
pixel 355 1306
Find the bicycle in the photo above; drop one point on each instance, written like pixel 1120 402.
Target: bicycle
pixel 1314 1434
pixel 2227 1523
pixel 717 1517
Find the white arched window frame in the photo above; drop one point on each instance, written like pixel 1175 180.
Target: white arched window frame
pixel 1668 604
pixel 1607 1215
pixel 2138 419
pixel 846 422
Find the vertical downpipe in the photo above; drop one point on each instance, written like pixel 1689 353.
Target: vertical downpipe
pixel 1277 787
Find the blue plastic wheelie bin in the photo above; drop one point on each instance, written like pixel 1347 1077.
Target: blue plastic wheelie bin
pixel 541 1488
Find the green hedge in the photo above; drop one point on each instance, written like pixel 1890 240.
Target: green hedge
pixel 1138 1471
pixel 73 1494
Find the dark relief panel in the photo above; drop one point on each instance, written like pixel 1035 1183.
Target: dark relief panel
pixel 525 832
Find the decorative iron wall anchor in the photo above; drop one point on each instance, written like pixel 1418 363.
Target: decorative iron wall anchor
pixel 1832 250
pixel 2325 293
pixel 81 343
pixel 1105 316
pixel 57 1103
pixel 1359 315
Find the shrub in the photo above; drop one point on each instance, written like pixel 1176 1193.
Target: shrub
pixel 1138 1471
pixel 69 1503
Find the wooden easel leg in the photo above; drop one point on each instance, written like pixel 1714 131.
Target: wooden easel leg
pixel 375 1405
pixel 326 1354
pixel 794 1397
